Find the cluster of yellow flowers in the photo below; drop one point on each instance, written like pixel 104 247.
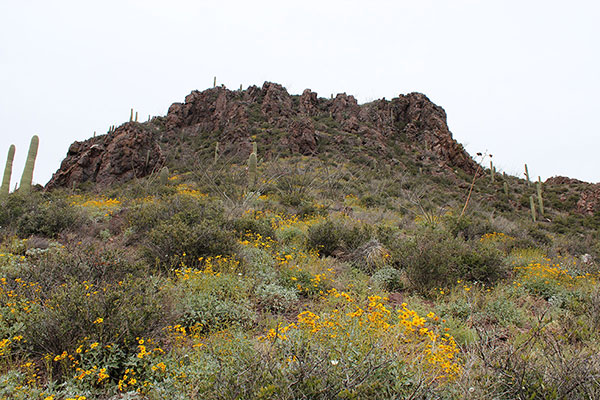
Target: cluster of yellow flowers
pixel 5 344
pixel 180 335
pixel 101 205
pixel 189 191
pixel 207 266
pixel 258 241
pixel 127 380
pixel 287 221
pixel 404 331
pixel 495 237
pixel 552 272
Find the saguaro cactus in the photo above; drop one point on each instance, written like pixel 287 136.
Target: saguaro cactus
pixel 252 162
pixel 532 206
pixel 539 196
pixel 505 188
pixel 492 170
pixel 164 175
pixel 7 171
pixel 27 177
pixel 527 174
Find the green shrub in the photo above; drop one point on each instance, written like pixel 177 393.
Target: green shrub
pixel 57 320
pixel 174 238
pixel 37 214
pixel 329 236
pixel 467 227
pixel 276 298
pixel 433 258
pixel 291 234
pixel 325 237
pixel 216 301
pixel 389 279
pixel 250 223
pixel 146 215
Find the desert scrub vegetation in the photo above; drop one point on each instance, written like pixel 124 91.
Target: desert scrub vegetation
pixel 328 280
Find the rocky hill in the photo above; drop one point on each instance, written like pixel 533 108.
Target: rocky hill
pixel 281 123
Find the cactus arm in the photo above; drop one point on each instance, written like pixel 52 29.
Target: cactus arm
pixel 27 177
pixel 7 171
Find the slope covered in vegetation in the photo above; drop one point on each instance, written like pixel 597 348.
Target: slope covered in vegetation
pixel 299 277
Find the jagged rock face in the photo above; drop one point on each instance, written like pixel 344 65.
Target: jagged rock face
pixel 128 152
pixel 589 193
pixel 233 113
pixel 295 124
pixel 589 200
pixel 563 180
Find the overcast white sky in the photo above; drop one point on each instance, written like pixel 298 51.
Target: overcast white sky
pixel 520 79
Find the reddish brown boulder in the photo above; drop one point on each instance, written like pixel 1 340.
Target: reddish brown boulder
pixel 277 102
pixel 302 138
pixel 589 200
pixel 308 103
pixel 128 152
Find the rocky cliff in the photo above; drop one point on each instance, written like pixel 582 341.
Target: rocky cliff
pixel 282 124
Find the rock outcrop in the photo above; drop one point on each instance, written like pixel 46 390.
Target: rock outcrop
pixel 280 122
pixel 237 113
pixel 128 152
pixel 589 193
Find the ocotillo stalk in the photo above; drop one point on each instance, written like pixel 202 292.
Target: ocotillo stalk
pixel 27 177
pixel 527 174
pixel 532 206
pixel 492 170
pixel 505 188
pixel 164 175
pixel 7 171
pixel 216 152
pixel 539 195
pixel 131 116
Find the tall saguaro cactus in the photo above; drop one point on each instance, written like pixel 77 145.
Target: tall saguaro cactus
pixel 252 162
pixel 27 177
pixel 539 196
pixel 7 171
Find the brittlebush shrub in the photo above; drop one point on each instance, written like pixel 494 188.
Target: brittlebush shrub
pixel 250 224
pixel 214 301
pixel 325 237
pixel 434 258
pixel 329 236
pixel 148 213
pixel 174 238
pixel 37 214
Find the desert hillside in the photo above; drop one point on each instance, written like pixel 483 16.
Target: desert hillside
pixel 253 244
